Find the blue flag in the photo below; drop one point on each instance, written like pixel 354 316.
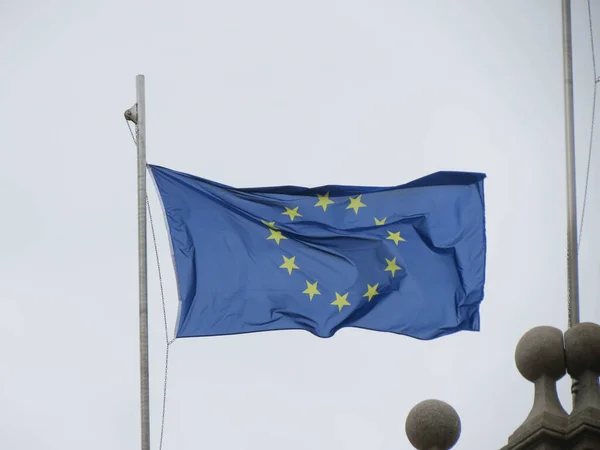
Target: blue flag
pixel 408 259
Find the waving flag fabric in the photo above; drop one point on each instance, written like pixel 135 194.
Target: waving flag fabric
pixel 408 259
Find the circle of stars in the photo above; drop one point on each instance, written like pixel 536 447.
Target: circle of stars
pixel 289 263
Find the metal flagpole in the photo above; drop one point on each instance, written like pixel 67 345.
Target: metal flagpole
pixel 572 259
pixel 137 114
pixel 572 263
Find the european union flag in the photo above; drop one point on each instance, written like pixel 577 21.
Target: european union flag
pixel 408 259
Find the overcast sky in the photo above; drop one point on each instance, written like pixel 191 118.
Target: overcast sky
pixel 373 92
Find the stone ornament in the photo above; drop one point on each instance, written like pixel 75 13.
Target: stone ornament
pixel 433 425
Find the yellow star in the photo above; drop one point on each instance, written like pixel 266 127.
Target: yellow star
pixel 269 224
pixel 289 264
pixel 324 200
pixel 292 213
pixel 380 222
pixel 355 203
pixel 340 301
pixel 395 237
pixel 276 236
pixel 391 266
pixel 371 291
pixel 311 290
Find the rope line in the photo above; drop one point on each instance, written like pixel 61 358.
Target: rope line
pixel 167 340
pixel 131 132
pixel 593 121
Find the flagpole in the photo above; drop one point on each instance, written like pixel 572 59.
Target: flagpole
pixel 572 257
pixel 572 260
pixel 137 114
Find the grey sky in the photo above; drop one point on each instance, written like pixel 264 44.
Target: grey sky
pixel 263 93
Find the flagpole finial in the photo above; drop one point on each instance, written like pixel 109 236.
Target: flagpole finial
pixel 433 425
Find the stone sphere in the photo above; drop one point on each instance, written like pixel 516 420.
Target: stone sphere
pixel 582 348
pixel 541 352
pixel 433 424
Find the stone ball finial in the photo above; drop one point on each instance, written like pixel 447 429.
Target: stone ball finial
pixel 541 352
pixel 582 348
pixel 433 424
